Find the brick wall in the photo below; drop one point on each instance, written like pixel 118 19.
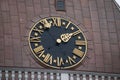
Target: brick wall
pixel 101 19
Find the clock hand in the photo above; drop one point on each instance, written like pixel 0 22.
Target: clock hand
pixel 67 36
pixel 76 32
pixel 46 23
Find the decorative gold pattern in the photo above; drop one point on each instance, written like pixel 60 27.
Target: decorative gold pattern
pixel 36 44
pixel 54 61
pixel 36 34
pixel 72 28
pixel 43 56
pixel 74 57
pixel 63 23
pixel 79 47
pixel 66 61
pixel 79 37
pixel 40 27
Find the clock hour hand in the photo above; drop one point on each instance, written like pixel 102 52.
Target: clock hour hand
pixel 46 23
pixel 67 36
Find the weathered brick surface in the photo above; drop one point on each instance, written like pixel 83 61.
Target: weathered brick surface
pixel 101 20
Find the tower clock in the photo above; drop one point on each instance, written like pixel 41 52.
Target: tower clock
pixel 57 42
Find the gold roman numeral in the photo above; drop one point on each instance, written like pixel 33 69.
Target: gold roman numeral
pixel 48 58
pixel 38 30
pixel 56 22
pixel 35 39
pixel 38 49
pixel 78 52
pixel 68 25
pixel 41 53
pixel 71 61
pixel 78 42
pixel 60 61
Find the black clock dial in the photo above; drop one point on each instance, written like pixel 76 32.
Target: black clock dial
pixel 57 43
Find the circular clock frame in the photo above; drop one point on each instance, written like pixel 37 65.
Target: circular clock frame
pixel 38 45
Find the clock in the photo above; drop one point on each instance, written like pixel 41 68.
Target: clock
pixel 57 43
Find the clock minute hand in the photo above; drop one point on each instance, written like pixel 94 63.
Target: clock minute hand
pixel 76 32
pixel 67 36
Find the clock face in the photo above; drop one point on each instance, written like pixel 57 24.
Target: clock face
pixel 57 43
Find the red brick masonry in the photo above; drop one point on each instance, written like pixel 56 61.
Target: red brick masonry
pixel 101 20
